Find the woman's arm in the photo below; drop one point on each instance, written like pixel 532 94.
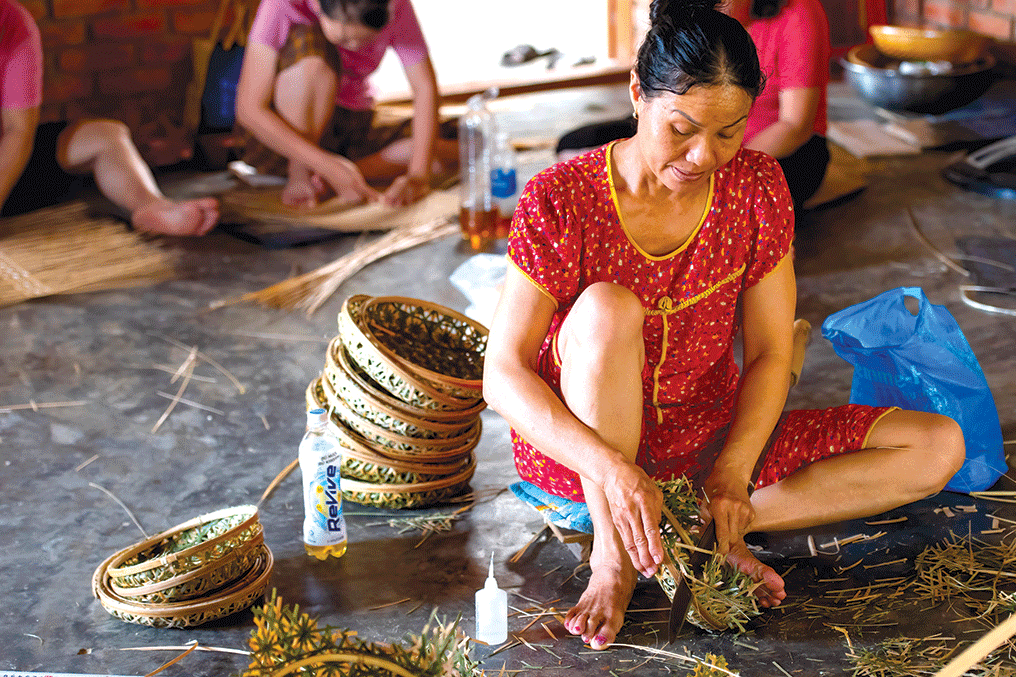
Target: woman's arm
pixel 416 183
pixel 769 308
pixel 254 111
pixel 17 137
pixel 798 108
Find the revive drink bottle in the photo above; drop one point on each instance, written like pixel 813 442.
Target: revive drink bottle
pixel 324 527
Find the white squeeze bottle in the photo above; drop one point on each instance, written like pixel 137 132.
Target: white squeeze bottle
pixel 491 611
pixel 324 527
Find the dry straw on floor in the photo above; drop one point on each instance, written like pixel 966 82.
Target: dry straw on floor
pixel 63 250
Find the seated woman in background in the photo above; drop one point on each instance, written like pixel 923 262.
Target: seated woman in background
pixel 788 119
pixel 304 95
pixel 40 165
pixel 611 351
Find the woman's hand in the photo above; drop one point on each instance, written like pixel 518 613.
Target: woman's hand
pixel 406 190
pixel 346 180
pixel 728 504
pixel 636 504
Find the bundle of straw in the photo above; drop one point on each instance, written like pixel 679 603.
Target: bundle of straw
pixel 310 290
pixel 62 250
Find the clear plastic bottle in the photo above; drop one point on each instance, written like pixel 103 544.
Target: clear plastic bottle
pixel 503 183
pixel 324 527
pixel 491 610
pixel 477 210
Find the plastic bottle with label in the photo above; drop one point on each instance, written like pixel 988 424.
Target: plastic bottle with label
pixel 477 210
pixel 324 527
pixel 503 183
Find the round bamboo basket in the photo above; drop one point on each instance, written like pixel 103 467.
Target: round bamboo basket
pixel 199 582
pixel 387 371
pixel 437 345
pixel 415 495
pixel 387 444
pixel 186 547
pixel 361 403
pixel 235 597
pixel 337 358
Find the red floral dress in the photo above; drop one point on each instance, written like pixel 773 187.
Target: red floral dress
pixel 567 234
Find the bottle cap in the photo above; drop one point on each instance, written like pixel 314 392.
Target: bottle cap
pixel 317 418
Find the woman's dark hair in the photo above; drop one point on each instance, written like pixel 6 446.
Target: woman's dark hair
pixel 370 13
pixel 691 42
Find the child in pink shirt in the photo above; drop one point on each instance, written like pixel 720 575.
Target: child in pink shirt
pixel 305 97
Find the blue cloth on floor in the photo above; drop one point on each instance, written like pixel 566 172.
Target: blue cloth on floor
pixel 559 511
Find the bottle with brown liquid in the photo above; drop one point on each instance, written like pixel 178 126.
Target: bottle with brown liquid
pixel 477 209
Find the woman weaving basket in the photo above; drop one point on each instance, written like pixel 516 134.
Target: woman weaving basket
pixel 634 267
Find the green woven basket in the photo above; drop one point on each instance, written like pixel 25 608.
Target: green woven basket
pixel 186 547
pixel 365 406
pixel 386 370
pixel 437 345
pixel 415 495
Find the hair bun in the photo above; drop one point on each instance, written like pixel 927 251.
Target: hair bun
pixel 678 11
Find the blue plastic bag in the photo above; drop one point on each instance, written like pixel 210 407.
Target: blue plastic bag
pixel 921 363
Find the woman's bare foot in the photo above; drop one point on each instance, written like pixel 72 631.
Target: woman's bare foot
pixel 168 217
pixel 599 614
pixel 771 592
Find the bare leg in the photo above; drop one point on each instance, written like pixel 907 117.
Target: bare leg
pixel 305 98
pixel 105 149
pixel 602 352
pixel 392 160
pixel 911 455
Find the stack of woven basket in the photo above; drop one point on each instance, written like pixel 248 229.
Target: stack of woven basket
pixel 207 568
pixel 403 383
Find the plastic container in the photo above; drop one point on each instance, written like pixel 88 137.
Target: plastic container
pixel 491 611
pixel 477 209
pixel 324 527
pixel 504 184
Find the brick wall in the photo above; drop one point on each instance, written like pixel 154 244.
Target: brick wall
pixel 996 18
pixel 126 59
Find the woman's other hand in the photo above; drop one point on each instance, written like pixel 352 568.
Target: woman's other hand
pixel 636 504
pixel 346 180
pixel 406 190
pixel 728 504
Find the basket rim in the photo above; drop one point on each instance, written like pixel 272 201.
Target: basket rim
pixel 117 571
pixel 353 449
pixel 388 452
pixel 352 323
pixel 374 301
pixel 337 357
pixel 419 487
pixel 242 551
pixel 256 578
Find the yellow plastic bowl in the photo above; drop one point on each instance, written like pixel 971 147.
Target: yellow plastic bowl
pixel 925 44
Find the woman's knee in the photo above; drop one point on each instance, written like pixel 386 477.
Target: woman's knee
pixel 81 143
pixel 606 313
pixel 945 449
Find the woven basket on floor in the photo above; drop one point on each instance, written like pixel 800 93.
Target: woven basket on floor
pixel 186 547
pixel 386 370
pixel 387 444
pixel 438 346
pixel 364 403
pixel 414 495
pixel 239 595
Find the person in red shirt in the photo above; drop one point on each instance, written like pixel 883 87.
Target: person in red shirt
pixel 611 352
pixel 40 164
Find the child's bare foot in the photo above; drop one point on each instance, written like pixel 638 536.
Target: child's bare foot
pixel 167 217
pixel 771 592
pixel 599 614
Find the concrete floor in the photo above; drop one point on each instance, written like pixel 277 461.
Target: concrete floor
pixel 56 525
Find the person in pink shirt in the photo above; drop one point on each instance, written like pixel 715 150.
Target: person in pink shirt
pixel 40 165
pixel 305 97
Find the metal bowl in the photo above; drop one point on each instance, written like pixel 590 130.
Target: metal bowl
pixel 879 81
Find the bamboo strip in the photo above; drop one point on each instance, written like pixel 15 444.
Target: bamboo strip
pixel 979 649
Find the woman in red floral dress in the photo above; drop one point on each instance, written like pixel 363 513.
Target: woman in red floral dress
pixel 611 352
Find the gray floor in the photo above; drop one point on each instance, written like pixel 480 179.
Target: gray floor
pixel 56 524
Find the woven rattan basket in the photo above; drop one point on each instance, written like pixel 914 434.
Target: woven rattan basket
pixel 386 370
pixel 186 547
pixel 415 495
pixel 362 403
pixel 388 444
pixel 437 345
pixel 237 596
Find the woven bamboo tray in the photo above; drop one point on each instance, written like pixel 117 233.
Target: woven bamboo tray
pixel 199 582
pixel 362 402
pixel 186 547
pixel 437 345
pixel 388 372
pixel 388 440
pixel 416 495
pixel 426 451
pixel 236 597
